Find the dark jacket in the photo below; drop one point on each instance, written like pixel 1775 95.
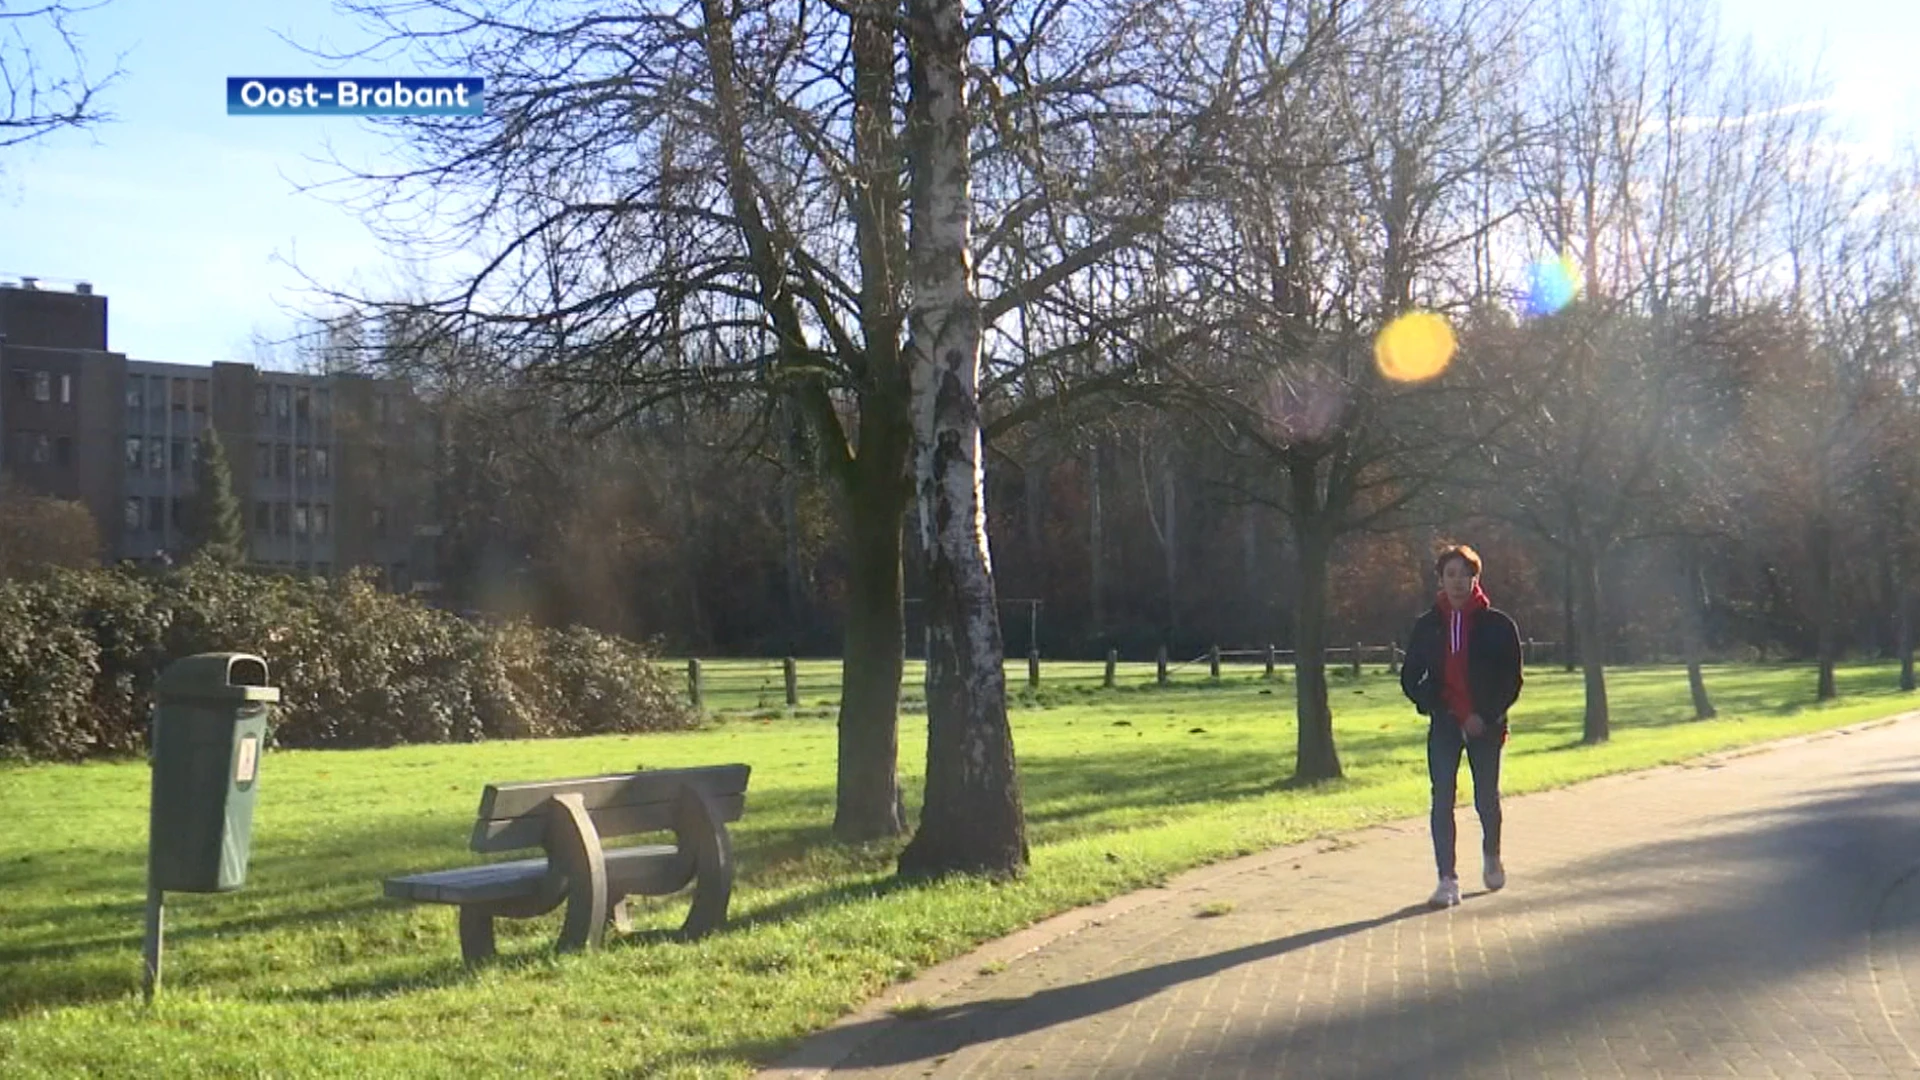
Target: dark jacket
pixel 1493 664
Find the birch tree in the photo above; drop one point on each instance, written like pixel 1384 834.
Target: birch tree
pixel 972 820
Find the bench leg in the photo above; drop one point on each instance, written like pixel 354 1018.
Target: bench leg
pixel 476 933
pixel 700 831
pixel 573 845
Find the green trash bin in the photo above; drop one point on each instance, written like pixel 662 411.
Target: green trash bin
pixel 209 731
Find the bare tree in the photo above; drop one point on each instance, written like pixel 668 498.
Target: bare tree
pixel 1355 198
pixel 44 83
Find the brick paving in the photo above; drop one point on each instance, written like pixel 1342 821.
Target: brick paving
pixel 1754 915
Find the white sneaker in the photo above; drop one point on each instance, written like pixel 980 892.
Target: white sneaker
pixel 1447 895
pixel 1496 874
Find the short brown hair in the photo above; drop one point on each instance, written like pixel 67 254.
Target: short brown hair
pixel 1457 551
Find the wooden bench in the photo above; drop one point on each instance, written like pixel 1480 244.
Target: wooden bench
pixel 570 819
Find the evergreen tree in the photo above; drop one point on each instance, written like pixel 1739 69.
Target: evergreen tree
pixel 214 527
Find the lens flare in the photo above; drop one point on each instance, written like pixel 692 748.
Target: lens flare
pixel 1552 284
pixel 1414 347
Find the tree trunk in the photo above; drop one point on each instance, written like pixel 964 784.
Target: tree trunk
pixel 1596 726
pixel 693 546
pixel 868 805
pixel 1096 546
pixel 1033 482
pixel 1567 653
pixel 790 526
pixel 1172 547
pixel 1693 618
pixel 972 820
pixel 1903 632
pixel 1315 757
pixel 1820 547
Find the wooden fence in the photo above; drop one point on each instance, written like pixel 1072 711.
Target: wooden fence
pixel 751 683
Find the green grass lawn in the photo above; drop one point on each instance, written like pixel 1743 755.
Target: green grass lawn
pixel 309 971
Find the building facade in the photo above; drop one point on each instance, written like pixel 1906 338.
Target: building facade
pixel 331 471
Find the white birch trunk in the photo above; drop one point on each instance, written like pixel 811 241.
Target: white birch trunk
pixel 972 820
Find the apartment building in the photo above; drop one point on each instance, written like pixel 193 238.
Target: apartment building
pixel 332 471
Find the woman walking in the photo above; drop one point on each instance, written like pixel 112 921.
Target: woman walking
pixel 1463 672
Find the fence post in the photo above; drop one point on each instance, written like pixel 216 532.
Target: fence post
pixel 789 669
pixel 1113 661
pixel 1526 652
pixel 1033 667
pixel 1270 651
pixel 693 682
pixel 1213 662
pixel 1356 659
pixel 1161 660
pixel 1393 658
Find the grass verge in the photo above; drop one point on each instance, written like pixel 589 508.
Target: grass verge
pixel 309 972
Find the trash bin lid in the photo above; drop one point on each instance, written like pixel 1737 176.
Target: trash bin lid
pixel 228 676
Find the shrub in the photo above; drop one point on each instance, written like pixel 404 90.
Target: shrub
pixel 80 651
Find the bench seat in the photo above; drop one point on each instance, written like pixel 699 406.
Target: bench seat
pixel 651 869
pixel 569 820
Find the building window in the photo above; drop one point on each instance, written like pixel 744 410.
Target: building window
pixel 135 452
pixel 180 461
pixel 380 461
pixel 136 394
pixel 262 516
pixel 178 394
pixel 260 406
pixel 378 520
pixel 302 463
pixel 321 467
pixel 263 461
pixel 156 454
pixel 302 404
pixel 201 389
pixel 62 451
pixel 156 513
pixel 280 454
pixel 132 514
pixel 281 403
pixel 322 523
pixel 300 519
pixel 178 516
pixel 66 389
pixel 33 447
pixel 280 518
pixel 43 386
pixel 323 404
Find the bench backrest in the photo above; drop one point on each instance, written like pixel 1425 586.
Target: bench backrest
pixel 514 816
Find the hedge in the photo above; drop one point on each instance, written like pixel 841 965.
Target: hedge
pixel 356 667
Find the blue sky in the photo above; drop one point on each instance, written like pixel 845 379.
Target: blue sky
pixel 186 218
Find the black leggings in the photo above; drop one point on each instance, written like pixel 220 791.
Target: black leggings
pixel 1445 741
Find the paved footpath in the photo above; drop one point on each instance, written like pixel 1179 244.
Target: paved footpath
pixel 1754 915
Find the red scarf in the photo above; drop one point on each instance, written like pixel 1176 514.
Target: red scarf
pixel 1457 627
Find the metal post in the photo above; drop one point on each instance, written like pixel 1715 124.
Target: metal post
pixel 1162 660
pixel 1270 652
pixel 1356 659
pixel 793 681
pixel 156 929
pixel 1113 661
pixel 1213 662
pixel 693 682
pixel 1033 668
